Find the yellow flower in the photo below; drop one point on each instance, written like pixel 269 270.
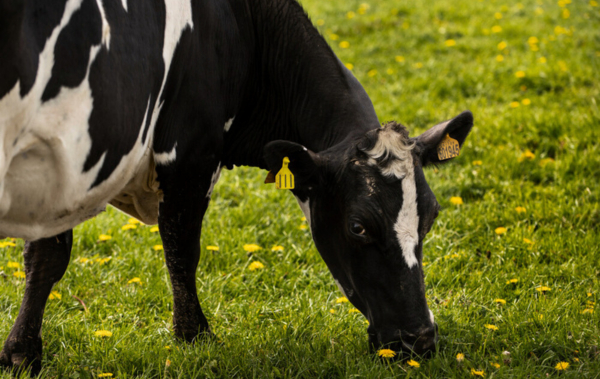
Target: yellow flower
pixel 520 209
pixel 477 372
pixel 500 230
pixel 450 42
pixel 13 265
pixel 527 154
pixel 587 310
pixel 589 294
pixel 277 248
pixel 334 37
pixel 512 281
pixel 55 295
pixel 514 104
pixel 167 347
pixel 103 333
pixel 128 227
pixel 363 8
pixel 545 161
pixel 460 357
pixel 135 280
pixel 418 65
pixel 212 248
pixel 154 229
pixel 560 366
pixel 456 200
pixel 386 353
pixel 539 10
pixel 496 365
pixel 353 310
pixel 496 29
pixel 344 44
pixel 565 13
pixel 83 260
pixel 158 247
pixel 491 327
pixel 499 58
pixel 525 101
pixel 412 363
pixel 527 240
pixel 133 221
pixel 320 22
pixel 342 299
pixel 563 66
pixel 520 74
pixel 350 15
pixel 251 247
pixel 349 66
pixel 7 243
pixel 500 301
pixel 102 261
pixel 256 265
pixel 105 375
pixel 497 15
pixel 593 3
pixel 19 274
pixel 303 227
pixel 104 237
pixel 390 71
pixel 533 40
pixel 371 73
pixel 543 289
pixel 399 58
pixel 167 362
pixel 477 163
pixel 502 45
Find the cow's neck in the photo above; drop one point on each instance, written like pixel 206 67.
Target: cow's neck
pixel 297 89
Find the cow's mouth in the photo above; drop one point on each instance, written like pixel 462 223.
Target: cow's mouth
pixel 405 344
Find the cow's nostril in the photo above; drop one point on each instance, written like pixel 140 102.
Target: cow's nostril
pixel 422 342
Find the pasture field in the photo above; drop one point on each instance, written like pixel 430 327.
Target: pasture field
pixel 515 268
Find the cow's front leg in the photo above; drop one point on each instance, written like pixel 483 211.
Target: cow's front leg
pixel 46 261
pixel 185 201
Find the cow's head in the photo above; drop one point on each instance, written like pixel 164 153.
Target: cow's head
pixel 369 209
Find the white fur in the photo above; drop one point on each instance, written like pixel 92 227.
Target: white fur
pixel 339 286
pixel 305 206
pixel 407 223
pixel 228 124
pixel 392 143
pixel 105 26
pixel 214 179
pixel 166 158
pixel 124 2
pixel 431 317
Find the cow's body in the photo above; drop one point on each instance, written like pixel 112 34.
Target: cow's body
pixel 140 104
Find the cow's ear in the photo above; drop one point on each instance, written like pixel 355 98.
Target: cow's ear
pixel 437 145
pixel 303 162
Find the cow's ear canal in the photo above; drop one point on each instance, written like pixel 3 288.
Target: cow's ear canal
pixel 303 163
pixel 443 141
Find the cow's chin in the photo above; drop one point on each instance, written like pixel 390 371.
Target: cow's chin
pixel 404 344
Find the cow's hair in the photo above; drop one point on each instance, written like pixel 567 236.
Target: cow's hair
pixel 389 148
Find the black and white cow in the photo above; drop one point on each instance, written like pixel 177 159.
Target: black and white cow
pixel 139 104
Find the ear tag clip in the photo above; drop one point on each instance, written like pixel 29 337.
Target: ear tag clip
pixel 448 148
pixel 284 178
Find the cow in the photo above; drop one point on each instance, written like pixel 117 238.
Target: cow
pixel 140 104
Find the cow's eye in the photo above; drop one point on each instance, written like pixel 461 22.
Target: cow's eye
pixel 357 229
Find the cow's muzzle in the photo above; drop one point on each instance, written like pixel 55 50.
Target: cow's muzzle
pixel 422 342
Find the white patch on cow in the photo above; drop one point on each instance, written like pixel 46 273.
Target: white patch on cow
pixel 407 223
pixel 305 206
pixel 213 180
pixel 393 145
pixel 166 158
pixel 105 26
pixel 339 286
pixel 124 2
pixel 431 317
pixel 228 124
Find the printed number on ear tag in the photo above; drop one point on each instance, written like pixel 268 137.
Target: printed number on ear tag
pixel 284 178
pixel 448 148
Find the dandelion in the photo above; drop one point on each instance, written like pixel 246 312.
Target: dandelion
pixel 167 362
pixel 399 58
pixel 545 161
pixel 134 280
pixel 514 104
pixel 500 301
pixel 154 229
pixel 520 209
pixel 386 353
pixel 102 261
pixel 19 274
pixel 7 243
pixel 303 227
pixel 565 13
pixel 460 357
pixel 543 289
pixel 496 365
pixel 55 295
pixel 477 163
pixel 350 15
pixel 477 372
pixel 342 299
pixel 520 74
pixel 334 37
pixel 533 40
pixel 167 347
pixel 344 44
pixel 349 66
pixel 13 265
pixel 353 310
pixel 251 247
pixel 277 248
pixel 491 327
pixel 103 333
pixel 512 281
pixel 104 237
pixel 83 260
pixel 499 58
pixel 563 66
pixel 105 375
pixel 539 11
pixel 500 230
pixel 456 200
pixel 256 265
pixel 390 71
pixel 128 227
pixel 527 154
pixel 332 311
pixel 593 3
pixel 371 73
pixel 502 45
pixel 496 29
pixel 498 15
pixel 587 310
pixel 528 241
pixel 525 101
pixel 561 366
pixel 418 65
pixel 320 22
pixel 450 42
pixel 158 247
pixel 363 8
pixel 212 248
pixel 412 363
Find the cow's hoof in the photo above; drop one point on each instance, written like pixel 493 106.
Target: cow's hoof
pixel 20 358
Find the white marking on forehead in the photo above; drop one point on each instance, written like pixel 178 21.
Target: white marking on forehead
pixel 213 180
pixel 124 2
pixel 105 26
pixel 407 223
pixel 228 124
pixel 393 145
pixel 166 158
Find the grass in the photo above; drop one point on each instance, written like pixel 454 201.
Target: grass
pixel 283 320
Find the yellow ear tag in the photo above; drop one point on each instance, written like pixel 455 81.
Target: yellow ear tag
pixel 284 178
pixel 448 148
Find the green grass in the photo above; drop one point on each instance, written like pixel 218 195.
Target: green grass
pixel 277 321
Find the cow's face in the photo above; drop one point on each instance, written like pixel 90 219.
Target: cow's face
pixel 369 209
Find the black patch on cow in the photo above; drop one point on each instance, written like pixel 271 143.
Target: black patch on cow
pixel 72 50
pixel 125 81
